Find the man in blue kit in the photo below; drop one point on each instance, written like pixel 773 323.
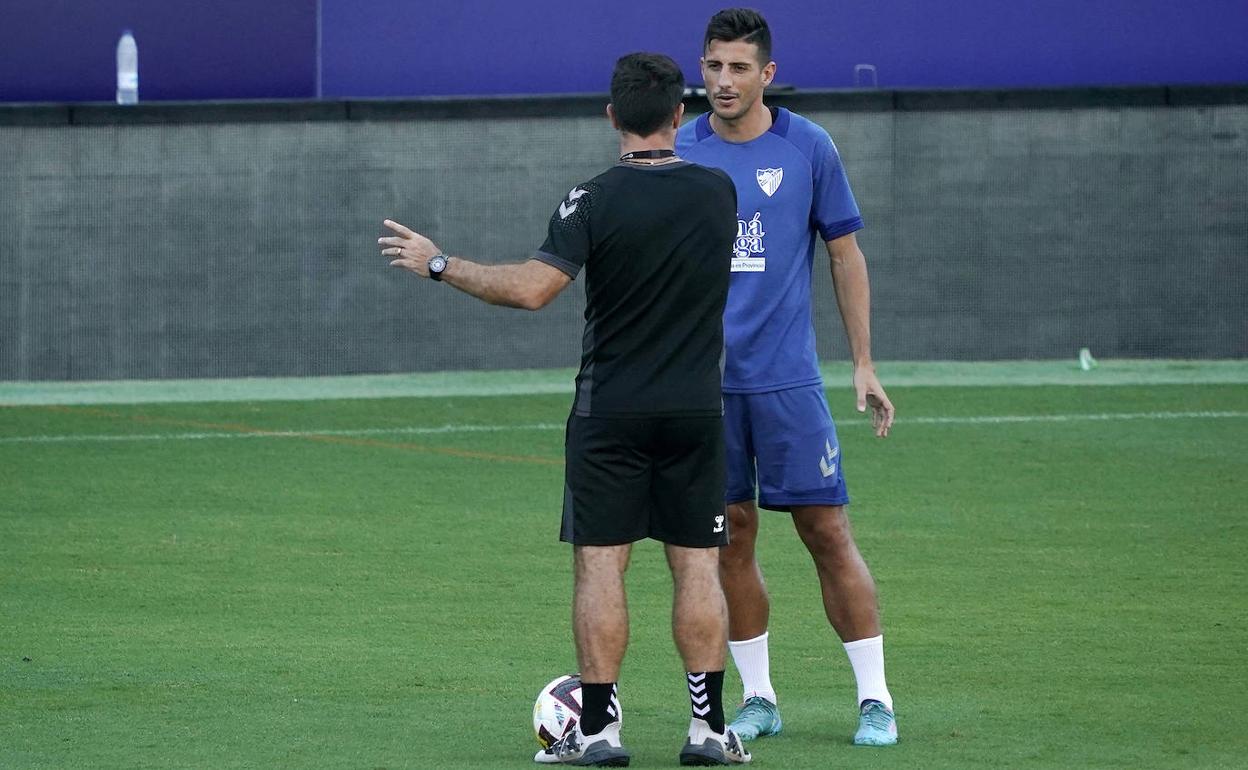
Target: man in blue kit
pixel 782 445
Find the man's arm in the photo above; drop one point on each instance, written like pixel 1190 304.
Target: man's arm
pixel 529 285
pixel 853 299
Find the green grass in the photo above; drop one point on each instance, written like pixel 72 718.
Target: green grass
pixel 1055 594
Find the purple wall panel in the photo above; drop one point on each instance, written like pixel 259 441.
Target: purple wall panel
pixel 399 48
pixel 404 48
pixel 62 50
pixel 985 43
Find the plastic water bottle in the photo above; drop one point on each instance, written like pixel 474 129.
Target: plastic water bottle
pixel 127 69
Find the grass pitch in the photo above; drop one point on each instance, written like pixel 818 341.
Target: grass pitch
pixel 377 583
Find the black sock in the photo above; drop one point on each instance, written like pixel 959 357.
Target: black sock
pixel 706 695
pixel 596 709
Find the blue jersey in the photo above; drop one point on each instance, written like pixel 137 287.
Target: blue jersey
pixel 791 193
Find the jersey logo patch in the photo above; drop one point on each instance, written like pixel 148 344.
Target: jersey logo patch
pixel 769 179
pixel 827 464
pixel 567 207
pixel 748 247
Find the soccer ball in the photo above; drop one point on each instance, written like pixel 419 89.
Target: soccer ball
pixel 558 709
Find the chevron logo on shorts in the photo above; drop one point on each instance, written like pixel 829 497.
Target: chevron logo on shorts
pixel 827 463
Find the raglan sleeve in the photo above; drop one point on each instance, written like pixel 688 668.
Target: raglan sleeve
pixel 568 237
pixel 834 212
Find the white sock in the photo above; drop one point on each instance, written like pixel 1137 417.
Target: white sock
pixel 754 666
pixel 867 658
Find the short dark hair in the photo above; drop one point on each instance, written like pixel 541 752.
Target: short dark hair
pixel 645 91
pixel 745 24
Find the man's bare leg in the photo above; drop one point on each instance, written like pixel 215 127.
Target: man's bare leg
pixel 749 609
pixel 849 600
pixel 600 627
pixel 699 612
pixel 848 589
pixel 700 628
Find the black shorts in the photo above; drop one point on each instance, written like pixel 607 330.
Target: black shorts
pixel 630 478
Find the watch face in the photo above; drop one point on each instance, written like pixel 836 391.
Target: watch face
pixel 437 264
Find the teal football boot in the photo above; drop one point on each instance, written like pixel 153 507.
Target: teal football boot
pixel 757 718
pixel 876 725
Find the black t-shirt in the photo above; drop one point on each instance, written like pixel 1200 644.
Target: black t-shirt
pixel 656 245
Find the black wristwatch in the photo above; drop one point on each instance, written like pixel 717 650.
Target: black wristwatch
pixel 437 264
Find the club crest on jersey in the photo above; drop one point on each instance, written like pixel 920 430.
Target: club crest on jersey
pixel 769 179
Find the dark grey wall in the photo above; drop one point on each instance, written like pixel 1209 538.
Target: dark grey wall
pixel 230 249
pixel 1032 233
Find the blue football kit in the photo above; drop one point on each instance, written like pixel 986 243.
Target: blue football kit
pixel 792 195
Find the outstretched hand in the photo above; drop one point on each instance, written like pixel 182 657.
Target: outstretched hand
pixel 871 393
pixel 409 249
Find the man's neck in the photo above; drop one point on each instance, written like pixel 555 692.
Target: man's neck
pixel 748 127
pixel 633 143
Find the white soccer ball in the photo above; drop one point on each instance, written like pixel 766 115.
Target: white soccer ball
pixel 558 709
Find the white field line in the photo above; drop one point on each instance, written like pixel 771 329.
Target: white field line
pixel 1106 416
pixel 408 431
pixel 542 426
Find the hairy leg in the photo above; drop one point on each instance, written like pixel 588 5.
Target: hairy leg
pixel 849 597
pixel 749 607
pixel 600 610
pixel 699 614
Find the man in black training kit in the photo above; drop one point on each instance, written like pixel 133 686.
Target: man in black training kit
pixel 644 452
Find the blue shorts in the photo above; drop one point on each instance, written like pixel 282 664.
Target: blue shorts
pixel 787 436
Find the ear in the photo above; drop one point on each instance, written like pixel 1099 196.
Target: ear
pixel 769 73
pixel 611 117
pixel 680 115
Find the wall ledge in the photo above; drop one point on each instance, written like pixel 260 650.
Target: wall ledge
pixel 579 105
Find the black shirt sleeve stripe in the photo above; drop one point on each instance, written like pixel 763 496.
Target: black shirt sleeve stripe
pixel 570 268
